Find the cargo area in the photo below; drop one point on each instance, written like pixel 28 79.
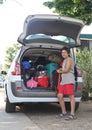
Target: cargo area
pixel 38 68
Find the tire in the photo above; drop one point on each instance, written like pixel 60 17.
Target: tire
pixel 68 107
pixel 10 107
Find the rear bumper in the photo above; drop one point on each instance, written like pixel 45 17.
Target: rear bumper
pixel 37 99
pixel 28 96
pixel 25 92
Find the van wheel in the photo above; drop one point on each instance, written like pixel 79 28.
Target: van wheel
pixel 10 107
pixel 68 107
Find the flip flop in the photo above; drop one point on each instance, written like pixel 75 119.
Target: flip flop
pixel 62 115
pixel 71 117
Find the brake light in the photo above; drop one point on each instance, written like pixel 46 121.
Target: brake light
pixel 79 71
pixel 79 89
pixel 16 69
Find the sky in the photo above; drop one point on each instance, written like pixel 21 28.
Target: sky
pixel 12 16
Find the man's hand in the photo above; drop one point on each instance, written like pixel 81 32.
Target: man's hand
pixel 59 70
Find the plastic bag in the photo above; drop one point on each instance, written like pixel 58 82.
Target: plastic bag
pixel 32 83
pixel 43 81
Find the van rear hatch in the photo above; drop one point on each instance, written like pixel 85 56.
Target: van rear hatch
pixel 55 27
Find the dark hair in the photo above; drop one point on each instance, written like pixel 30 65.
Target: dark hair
pixel 67 49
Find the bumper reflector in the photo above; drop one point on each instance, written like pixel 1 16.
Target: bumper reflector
pixel 19 88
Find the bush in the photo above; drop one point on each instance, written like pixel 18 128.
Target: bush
pixel 84 60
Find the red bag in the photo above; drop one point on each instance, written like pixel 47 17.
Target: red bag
pixel 43 81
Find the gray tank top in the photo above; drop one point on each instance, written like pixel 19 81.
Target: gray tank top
pixel 68 78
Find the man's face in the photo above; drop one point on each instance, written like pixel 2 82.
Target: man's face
pixel 64 54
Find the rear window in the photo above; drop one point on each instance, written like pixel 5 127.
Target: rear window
pixel 61 38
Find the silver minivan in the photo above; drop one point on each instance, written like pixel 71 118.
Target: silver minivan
pixel 31 77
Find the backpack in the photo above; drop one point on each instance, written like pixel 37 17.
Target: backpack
pixel 26 65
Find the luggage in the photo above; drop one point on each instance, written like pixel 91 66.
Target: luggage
pixel 55 58
pixel 26 65
pixel 32 83
pixel 56 79
pixel 50 68
pixel 43 81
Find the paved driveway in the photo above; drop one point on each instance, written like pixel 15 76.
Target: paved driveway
pixel 14 121
pixel 43 117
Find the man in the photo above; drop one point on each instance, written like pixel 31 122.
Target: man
pixel 66 86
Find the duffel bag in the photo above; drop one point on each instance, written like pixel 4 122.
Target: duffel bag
pixel 43 81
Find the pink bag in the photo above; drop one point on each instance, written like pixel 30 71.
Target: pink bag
pixel 31 83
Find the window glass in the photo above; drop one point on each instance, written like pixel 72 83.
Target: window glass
pixel 61 38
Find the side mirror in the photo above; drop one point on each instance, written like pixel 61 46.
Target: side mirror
pixel 3 72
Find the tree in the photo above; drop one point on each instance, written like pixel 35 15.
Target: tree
pixel 10 54
pixel 81 9
pixel 84 60
pixel 2 1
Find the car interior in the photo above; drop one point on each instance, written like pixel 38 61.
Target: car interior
pixel 39 65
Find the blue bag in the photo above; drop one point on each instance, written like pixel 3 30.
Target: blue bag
pixel 26 64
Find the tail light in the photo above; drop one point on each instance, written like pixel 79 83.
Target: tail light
pixel 79 71
pixel 79 74
pixel 16 69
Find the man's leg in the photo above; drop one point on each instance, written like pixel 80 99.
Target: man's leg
pixel 72 102
pixel 72 115
pixel 62 103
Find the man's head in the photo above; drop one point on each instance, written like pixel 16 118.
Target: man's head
pixel 65 52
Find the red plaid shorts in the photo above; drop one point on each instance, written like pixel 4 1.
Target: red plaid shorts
pixel 66 89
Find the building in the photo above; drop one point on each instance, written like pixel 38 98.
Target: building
pixel 86 41
pixel 86 37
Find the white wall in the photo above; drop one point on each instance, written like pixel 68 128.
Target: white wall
pixel 90 45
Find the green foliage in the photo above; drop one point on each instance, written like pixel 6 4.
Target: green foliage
pixel 2 1
pixel 84 60
pixel 10 54
pixel 81 9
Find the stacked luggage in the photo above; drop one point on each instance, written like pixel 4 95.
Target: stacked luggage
pixel 41 76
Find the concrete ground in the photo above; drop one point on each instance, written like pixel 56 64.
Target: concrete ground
pixel 43 117
pixel 14 121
